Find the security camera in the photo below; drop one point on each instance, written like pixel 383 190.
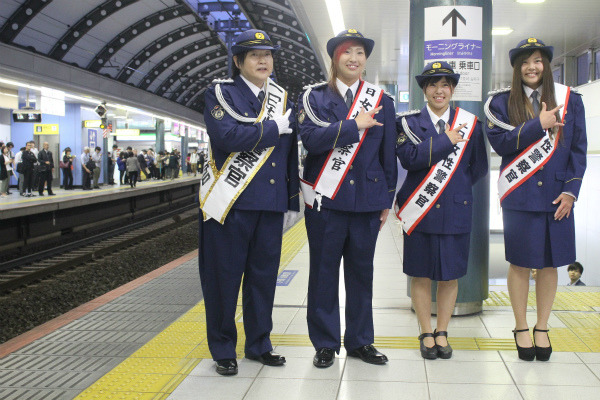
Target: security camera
pixel 101 109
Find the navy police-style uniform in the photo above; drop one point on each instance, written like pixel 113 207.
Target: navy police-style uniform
pixel 532 237
pixel 438 247
pixel 248 244
pixel 348 225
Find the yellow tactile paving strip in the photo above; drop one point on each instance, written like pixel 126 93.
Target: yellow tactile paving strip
pixel 564 301
pixel 156 369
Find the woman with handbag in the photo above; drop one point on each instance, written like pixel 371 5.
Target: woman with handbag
pixel 66 165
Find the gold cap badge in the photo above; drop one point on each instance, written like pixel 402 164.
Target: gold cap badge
pixel 352 31
pixel 259 35
pixel 532 40
pixel 436 65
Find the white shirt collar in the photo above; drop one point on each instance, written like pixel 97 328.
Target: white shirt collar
pixel 529 90
pixel 434 118
pixel 255 89
pixel 343 88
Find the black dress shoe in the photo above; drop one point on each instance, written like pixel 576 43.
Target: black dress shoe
pixel 444 352
pixel 268 358
pixel 324 358
pixel 429 353
pixel 525 353
pixel 41 194
pixel 227 366
pixel 542 353
pixel 369 354
pixel 51 194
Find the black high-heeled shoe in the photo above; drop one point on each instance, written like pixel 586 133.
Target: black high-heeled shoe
pixel 525 353
pixel 430 353
pixel 542 353
pixel 444 352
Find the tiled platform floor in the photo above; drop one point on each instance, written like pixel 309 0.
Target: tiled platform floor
pixel 150 344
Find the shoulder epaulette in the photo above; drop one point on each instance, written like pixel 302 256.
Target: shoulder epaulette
pixel 314 85
pixel 573 90
pixel 388 94
pixel 497 91
pixel 407 113
pixel 216 81
pixel 227 107
pixel 308 109
pixel 492 120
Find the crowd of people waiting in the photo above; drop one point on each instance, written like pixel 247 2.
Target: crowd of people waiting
pixel 34 168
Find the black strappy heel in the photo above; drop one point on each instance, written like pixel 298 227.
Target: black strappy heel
pixel 542 353
pixel 525 353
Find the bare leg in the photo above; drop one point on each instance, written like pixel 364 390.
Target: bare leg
pixel 446 298
pixel 545 291
pixel 420 289
pixel 518 290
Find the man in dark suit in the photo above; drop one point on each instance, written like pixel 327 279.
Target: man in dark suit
pixel 28 159
pixel 45 169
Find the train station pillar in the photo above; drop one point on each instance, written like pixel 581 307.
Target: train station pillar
pixel 460 33
pixel 160 135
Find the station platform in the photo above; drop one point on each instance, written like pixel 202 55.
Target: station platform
pixel 147 340
pixel 16 205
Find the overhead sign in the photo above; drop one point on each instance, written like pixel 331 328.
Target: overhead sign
pixel 454 35
pixel 126 132
pixel 92 123
pixel 45 129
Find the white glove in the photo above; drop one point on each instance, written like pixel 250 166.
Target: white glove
pixel 289 218
pixel 283 123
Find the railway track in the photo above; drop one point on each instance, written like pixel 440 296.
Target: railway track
pixel 33 267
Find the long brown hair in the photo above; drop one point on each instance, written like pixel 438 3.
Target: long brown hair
pixel 520 109
pixel 333 72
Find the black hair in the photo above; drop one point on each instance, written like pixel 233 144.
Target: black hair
pixel 241 57
pixel 10 144
pixel 22 148
pixel 115 146
pixel 436 79
pixel 98 148
pixel 129 148
pixel 576 266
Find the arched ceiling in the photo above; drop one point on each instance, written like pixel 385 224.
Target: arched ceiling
pixel 162 46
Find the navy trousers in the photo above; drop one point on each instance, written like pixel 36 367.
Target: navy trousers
pixel 248 244
pixel 333 235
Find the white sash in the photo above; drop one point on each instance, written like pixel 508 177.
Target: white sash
pixel 430 189
pixel 534 156
pixel 220 189
pixel 340 159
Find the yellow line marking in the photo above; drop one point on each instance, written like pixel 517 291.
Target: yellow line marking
pixel 81 192
pixel 158 367
pixel 564 301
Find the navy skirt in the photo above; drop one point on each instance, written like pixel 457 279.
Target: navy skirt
pixel 536 240
pixel 437 257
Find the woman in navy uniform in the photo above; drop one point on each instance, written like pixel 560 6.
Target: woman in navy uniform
pixel 437 248
pixel 346 226
pixel 539 230
pixel 248 243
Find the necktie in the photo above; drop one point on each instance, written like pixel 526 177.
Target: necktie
pixel 535 103
pixel 261 96
pixel 348 98
pixel 441 126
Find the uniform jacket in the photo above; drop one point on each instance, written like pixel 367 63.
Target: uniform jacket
pixel 44 156
pixel 28 159
pixel 275 187
pixel 371 182
pixel 452 212
pixel 562 173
